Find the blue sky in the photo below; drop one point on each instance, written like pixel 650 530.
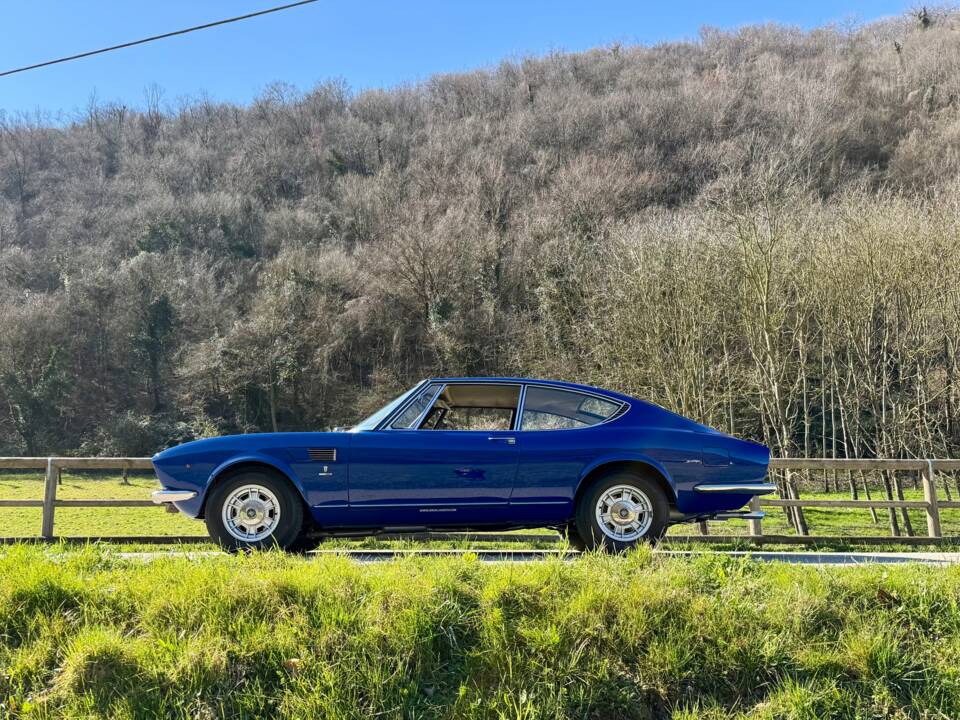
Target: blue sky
pixel 369 44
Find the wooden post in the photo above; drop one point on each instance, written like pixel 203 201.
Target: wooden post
pixel 755 529
pixel 904 513
pixel 49 498
pixel 793 493
pixel 891 511
pixel 866 491
pixel 930 495
pixel 702 526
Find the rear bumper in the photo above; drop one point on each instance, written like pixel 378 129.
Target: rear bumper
pixel 736 488
pixel 161 497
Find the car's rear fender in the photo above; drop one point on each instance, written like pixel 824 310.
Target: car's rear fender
pixel 253 461
pixel 627 461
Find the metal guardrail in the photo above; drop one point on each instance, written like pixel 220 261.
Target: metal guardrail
pixel 931 504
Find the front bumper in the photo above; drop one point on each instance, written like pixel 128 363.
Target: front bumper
pixel 736 488
pixel 162 497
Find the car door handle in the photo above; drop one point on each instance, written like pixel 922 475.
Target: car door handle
pixel 501 438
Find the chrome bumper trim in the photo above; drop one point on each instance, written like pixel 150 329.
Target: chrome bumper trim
pixel 736 488
pixel 751 515
pixel 161 497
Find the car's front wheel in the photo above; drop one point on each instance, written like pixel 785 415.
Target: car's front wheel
pixel 253 510
pixel 621 510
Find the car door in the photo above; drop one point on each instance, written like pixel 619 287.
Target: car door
pixel 561 434
pixel 417 476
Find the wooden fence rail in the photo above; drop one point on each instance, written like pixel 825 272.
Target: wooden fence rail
pixel 53 466
pixel 926 468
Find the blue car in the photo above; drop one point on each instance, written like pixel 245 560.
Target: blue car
pixel 604 469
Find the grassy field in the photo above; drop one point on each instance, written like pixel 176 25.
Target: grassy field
pixel 25 522
pixel 838 521
pixel 86 634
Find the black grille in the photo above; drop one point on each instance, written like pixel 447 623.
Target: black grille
pixel 323 454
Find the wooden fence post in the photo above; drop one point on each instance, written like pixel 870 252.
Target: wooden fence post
pixel 49 499
pixel 793 493
pixel 930 496
pixel 755 529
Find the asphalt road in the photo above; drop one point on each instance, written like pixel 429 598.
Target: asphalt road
pixel 511 555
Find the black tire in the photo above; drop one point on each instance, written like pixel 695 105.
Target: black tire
pixel 305 542
pixel 570 534
pixel 288 523
pixel 594 536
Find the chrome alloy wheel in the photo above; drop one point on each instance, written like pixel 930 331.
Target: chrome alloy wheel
pixel 251 513
pixel 624 513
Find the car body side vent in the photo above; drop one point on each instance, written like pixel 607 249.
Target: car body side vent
pixel 322 454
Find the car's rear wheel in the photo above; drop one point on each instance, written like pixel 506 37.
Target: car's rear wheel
pixel 253 510
pixel 620 510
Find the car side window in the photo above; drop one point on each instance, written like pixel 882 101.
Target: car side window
pixel 473 407
pixel 552 409
pixel 408 418
pixel 470 418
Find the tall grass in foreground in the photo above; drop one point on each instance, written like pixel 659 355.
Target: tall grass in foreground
pixel 84 634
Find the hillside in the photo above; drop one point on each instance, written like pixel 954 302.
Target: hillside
pixel 758 229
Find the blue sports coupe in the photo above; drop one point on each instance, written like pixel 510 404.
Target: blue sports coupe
pixel 604 469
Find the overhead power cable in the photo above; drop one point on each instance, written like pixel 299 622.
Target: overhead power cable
pixel 157 37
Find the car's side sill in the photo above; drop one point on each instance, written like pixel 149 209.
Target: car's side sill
pixel 360 506
pixel 539 502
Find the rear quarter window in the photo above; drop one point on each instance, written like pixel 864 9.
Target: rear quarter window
pixel 553 409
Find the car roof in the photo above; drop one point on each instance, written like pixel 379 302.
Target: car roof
pixel 531 381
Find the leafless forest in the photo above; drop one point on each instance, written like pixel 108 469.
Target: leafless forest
pixel 758 229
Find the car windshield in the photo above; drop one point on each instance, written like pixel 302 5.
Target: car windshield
pixel 371 422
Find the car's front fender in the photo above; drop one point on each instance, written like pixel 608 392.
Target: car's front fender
pixel 250 458
pixel 197 471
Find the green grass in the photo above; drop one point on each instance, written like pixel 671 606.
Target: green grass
pixel 25 522
pixel 85 634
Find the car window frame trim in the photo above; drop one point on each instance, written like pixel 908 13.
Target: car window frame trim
pixel 386 424
pixel 383 425
pixel 622 408
pixel 423 416
pixel 423 413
